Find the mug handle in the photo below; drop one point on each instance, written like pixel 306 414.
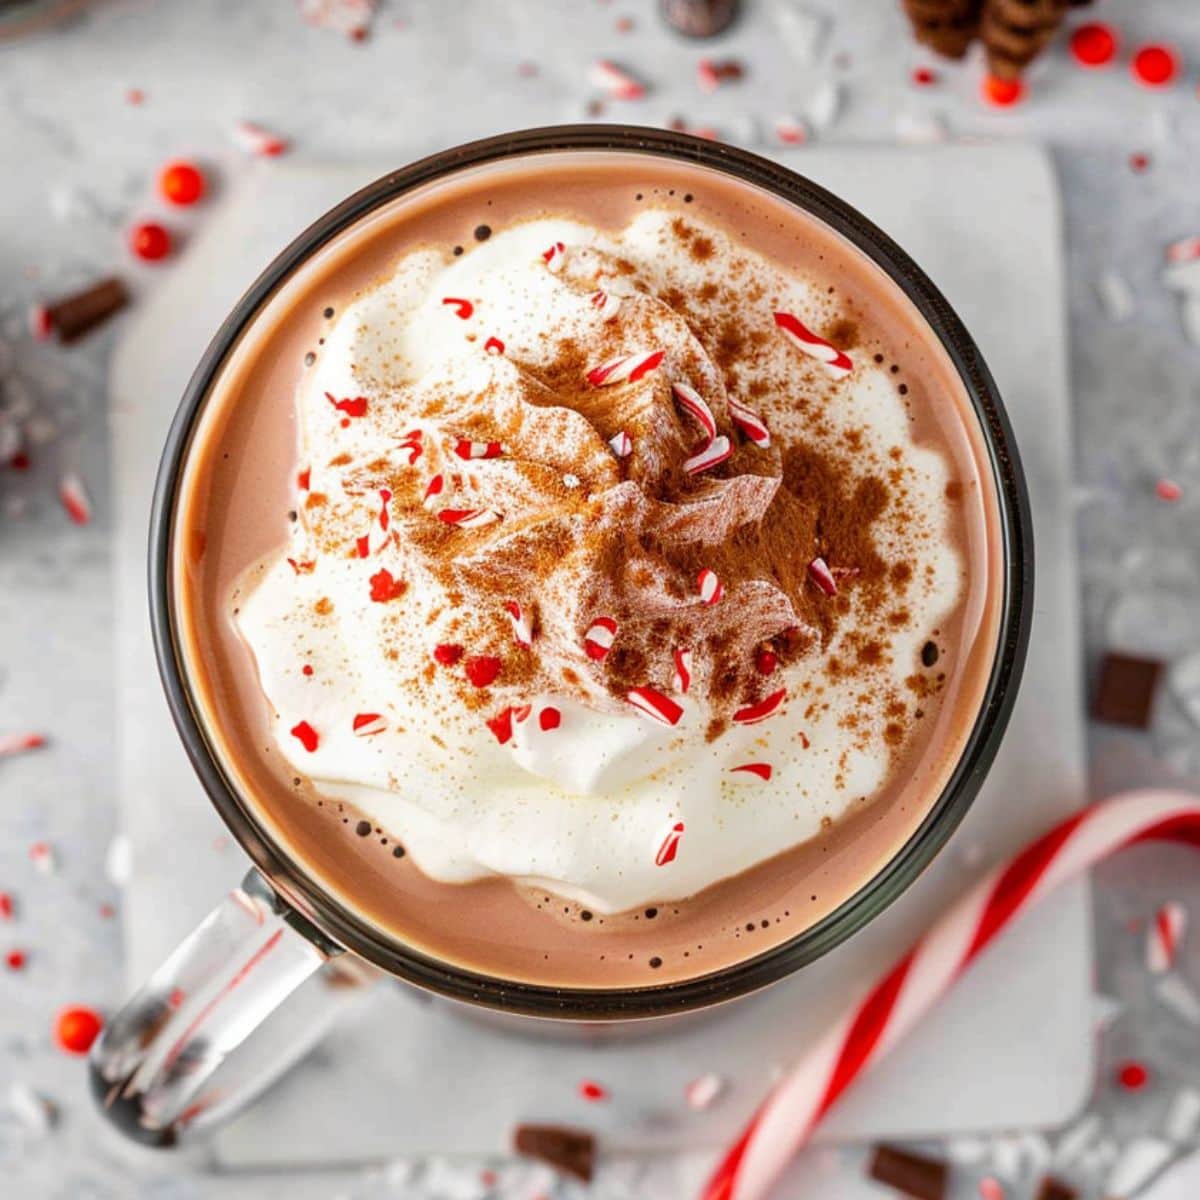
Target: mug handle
pixel 154 1068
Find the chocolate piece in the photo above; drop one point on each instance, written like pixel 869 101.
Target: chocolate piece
pixel 1125 693
pixel 914 1175
pixel 1053 1189
pixel 73 316
pixel 699 18
pixel 572 1151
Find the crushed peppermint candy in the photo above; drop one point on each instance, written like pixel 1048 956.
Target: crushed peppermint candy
pixel 20 743
pixel 592 1091
pixel 695 406
pixel 750 423
pixel 790 130
pixel 43 857
pixel 615 81
pixel 501 726
pixel 607 304
pixel 368 724
pixel 822 576
pixel 668 844
pixel 715 453
pixel 433 489
pixel 463 309
pixel 760 770
pixel 522 630
pixel 468 450
pixel 306 735
pixel 468 518
pixel 683 671
pixel 1168 490
pixel 555 257
pixel 627 368
pixel 835 362
pixel 753 713
pixel 482 669
pixel 598 639
pixel 257 139
pixel 493 346
pixel 1164 936
pixel 622 444
pixel 549 719
pixel 701 1092
pixel 653 704
pixel 74 498
pixel 712 590
pixel 385 587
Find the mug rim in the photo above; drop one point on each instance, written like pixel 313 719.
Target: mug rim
pixel 340 922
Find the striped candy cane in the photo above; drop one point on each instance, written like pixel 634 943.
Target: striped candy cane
pixel 786 1119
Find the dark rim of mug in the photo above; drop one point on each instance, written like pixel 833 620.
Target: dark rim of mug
pixel 340 922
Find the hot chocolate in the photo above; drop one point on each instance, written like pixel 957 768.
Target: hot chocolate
pixel 589 569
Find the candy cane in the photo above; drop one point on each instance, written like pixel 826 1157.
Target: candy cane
pixel 786 1119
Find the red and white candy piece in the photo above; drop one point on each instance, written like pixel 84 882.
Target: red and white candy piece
pixel 653 704
pixel 791 130
pixel 522 630
pixel 74 498
pixel 758 769
pixel 256 139
pixel 834 361
pixel 1164 936
pixel 822 576
pixel 42 855
pixel 715 453
pixel 701 1092
pixel 864 1034
pixel 622 444
pixel 493 346
pixel 433 489
pixel 760 711
pixel 712 590
pixel 668 844
pixel 750 423
pixel 411 445
pixel 615 81
pixel 555 257
pixel 1185 250
pixel 627 368
pixel 19 743
pixel 683 671
pixel 468 518
pixel 463 309
pixel 368 724
pixel 696 407
pixel 607 304
pixel 466 449
pixel 598 640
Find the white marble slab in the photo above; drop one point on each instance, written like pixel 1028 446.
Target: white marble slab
pixel 1011 1047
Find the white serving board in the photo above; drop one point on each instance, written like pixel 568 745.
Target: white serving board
pixel 1011 1047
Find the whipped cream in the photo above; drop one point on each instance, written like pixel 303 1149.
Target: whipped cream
pixel 550 610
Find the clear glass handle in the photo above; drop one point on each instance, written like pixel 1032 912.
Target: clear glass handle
pixel 159 1069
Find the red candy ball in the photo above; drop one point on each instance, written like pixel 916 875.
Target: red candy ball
pixel 1155 66
pixel 76 1028
pixel 149 241
pixel 1094 45
pixel 1003 92
pixel 181 183
pixel 1132 1076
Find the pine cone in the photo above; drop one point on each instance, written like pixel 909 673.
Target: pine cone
pixel 946 26
pixel 1016 31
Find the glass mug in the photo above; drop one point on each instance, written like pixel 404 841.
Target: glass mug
pixel 159 1070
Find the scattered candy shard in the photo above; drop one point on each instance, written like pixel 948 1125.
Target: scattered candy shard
pixel 822 576
pixel 43 857
pixel 758 769
pixel 835 362
pixel 750 423
pixel 74 498
pixel 790 130
pixel 683 671
pixel 716 452
pixel 627 368
pixel 368 724
pixel 592 1091
pixel 622 444
pixel 695 406
pixel 19 743
pixel 711 589
pixel 256 139
pixel 522 630
pixel 701 1092
pixel 668 844
pixel 614 81
pixel 753 713
pixel 598 639
pixel 653 704
pixel 1164 936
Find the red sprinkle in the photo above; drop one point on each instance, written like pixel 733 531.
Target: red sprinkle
pixel 306 735
pixel 494 346
pixel 1132 1076
pixel 1003 93
pixel 753 713
pixel 924 77
pixel 1139 162
pixel 447 653
pixel 15 959
pixel 306 669
pixel 1168 490
pixel 1094 45
pixel 549 718
pixel 462 308
pixel 355 406
pixel 762 770
pixel 384 587
pixel 590 1090
pixel 6 906
pixel 482 669
pixel 1155 66
pixel 76 1028
pixel 501 725
pixel 18 743
pixel 181 183
pixel 41 324
pixel 135 96
pixel 149 241
pixel 303 479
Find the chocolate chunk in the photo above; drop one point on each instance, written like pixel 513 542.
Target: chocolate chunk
pixel 929 654
pixel 73 316
pixel 699 18
pixel 1125 693
pixel 1052 1189
pixel 572 1151
pixel 916 1176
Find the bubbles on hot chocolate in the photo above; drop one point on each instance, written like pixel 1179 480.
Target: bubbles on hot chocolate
pixel 614 562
